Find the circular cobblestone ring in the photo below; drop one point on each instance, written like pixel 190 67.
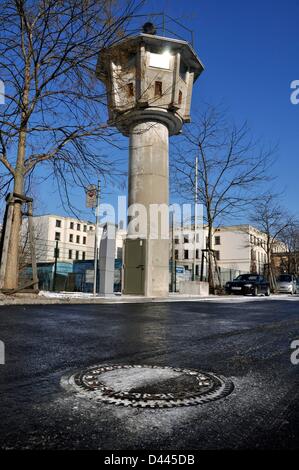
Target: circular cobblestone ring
pixel 150 386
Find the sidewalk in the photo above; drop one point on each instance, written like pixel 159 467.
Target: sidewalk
pixel 46 297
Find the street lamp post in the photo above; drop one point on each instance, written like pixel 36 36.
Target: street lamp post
pixel 195 214
pixel 96 252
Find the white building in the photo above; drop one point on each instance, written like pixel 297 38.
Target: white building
pixel 239 248
pixel 74 238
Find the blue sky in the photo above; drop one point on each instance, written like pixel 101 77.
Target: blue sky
pixel 251 55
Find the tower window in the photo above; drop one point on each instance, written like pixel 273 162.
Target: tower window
pixel 158 88
pixel 161 61
pixel 130 90
pixel 180 97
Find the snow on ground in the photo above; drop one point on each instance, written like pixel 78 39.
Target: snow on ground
pixel 172 297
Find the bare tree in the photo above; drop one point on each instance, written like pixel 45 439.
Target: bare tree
pixel 53 113
pixel 290 249
pixel 231 166
pixel 273 221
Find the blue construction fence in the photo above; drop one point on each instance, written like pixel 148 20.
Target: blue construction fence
pixel 70 277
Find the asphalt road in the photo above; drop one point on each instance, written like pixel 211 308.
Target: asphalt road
pixel 248 342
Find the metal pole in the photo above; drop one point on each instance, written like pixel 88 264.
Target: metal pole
pixel 95 274
pixel 32 246
pixel 55 265
pixel 173 268
pixel 195 214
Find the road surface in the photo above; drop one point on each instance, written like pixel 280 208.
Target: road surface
pixel 247 341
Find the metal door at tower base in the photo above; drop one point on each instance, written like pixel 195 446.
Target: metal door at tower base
pixel 134 260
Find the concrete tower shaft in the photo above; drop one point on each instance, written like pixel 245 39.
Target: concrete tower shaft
pixel 148 197
pixel 149 81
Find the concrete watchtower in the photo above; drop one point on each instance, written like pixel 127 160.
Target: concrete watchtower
pixel 149 81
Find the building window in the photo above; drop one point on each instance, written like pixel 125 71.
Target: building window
pixel 161 61
pixel 71 239
pixel 58 223
pixel 77 254
pixel 72 225
pixel 84 228
pixel 217 241
pixel 158 88
pixel 57 236
pixel 176 254
pixel 186 238
pixel 183 70
pixel 186 254
pixel 78 239
pixel 180 99
pixel 176 240
pixel 197 254
pixel 83 255
pixel 130 90
pixel 78 227
pixel 91 228
pixel 84 240
pixel 70 254
pixel 217 255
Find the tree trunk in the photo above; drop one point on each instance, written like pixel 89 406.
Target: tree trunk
pixel 210 260
pixel 12 267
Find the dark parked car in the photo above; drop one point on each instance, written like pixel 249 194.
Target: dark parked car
pixel 253 284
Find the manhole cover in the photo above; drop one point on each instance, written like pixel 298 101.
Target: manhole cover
pixel 150 386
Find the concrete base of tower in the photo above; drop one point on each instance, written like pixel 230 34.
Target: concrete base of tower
pixel 146 267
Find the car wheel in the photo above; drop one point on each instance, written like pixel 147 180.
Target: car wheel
pixel 267 294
